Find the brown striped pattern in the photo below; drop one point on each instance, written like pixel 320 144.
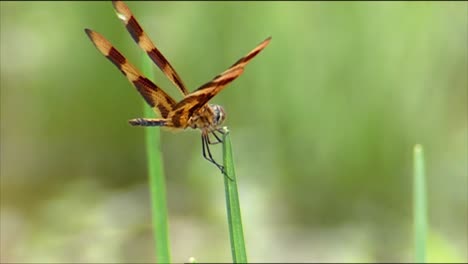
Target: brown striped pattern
pixel 192 111
pixel 140 37
pixel 152 94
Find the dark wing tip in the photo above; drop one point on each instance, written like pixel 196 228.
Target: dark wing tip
pixel 119 6
pixel 91 34
pixel 88 31
pixel 114 3
pixel 267 40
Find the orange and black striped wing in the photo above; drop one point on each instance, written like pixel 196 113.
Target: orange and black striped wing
pixel 197 99
pixel 153 95
pixel 140 37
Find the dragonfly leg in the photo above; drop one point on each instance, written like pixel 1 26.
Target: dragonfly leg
pixel 208 156
pixel 218 139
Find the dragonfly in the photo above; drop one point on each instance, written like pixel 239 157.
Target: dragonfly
pixel 194 110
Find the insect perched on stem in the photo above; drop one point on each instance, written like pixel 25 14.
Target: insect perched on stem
pixel 193 110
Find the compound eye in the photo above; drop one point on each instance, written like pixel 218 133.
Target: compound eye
pixel 219 114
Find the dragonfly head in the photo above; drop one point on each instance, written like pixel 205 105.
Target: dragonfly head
pixel 218 115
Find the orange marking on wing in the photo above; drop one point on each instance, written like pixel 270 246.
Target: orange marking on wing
pixel 197 99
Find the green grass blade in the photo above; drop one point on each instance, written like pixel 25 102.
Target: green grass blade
pixel 419 205
pixel 236 232
pixel 156 179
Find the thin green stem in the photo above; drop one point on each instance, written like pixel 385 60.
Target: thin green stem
pixel 236 232
pixel 419 205
pixel 156 180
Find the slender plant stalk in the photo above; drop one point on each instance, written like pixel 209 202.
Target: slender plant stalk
pixel 236 232
pixel 419 205
pixel 156 179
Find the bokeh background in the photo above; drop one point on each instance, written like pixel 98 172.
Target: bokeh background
pixel 323 125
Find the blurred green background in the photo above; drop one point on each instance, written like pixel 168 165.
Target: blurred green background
pixel 323 125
